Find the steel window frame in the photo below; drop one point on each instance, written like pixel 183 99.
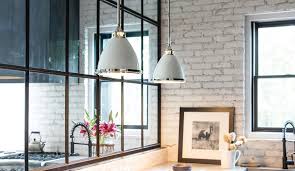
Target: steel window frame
pixel 255 74
pixel 27 69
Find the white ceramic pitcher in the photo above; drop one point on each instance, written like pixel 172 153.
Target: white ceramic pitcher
pixel 230 158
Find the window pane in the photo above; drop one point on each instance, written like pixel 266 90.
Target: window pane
pixel 150 9
pixel 46 121
pixel 133 33
pixel 151 108
pixel 133 4
pixel 276 50
pixel 132 104
pixel 111 105
pixel 82 36
pixel 81 112
pixel 108 18
pixel 275 101
pixel 150 51
pixel 132 115
pixel 74 43
pixel 12 32
pixel 12 115
pixel 47 34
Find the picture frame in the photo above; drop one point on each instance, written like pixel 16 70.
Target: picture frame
pixel 201 131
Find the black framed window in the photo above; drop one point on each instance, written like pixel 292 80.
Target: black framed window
pixel 273 76
pixel 48 57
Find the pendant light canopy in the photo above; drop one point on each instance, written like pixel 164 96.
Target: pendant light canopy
pixel 168 69
pixel 118 57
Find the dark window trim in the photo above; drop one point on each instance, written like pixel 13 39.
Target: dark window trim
pixel 27 70
pixel 135 13
pixel 255 75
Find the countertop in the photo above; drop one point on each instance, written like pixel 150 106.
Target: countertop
pixel 195 167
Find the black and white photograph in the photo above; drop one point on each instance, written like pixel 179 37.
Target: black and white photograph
pixel 205 135
pixel 201 131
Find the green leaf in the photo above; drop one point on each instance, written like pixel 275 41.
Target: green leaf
pixel 86 115
pixel 111 119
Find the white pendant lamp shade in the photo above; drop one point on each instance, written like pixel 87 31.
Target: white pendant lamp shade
pixel 168 70
pixel 118 57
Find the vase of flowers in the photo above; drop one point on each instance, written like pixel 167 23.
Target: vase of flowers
pixel 231 156
pixel 107 130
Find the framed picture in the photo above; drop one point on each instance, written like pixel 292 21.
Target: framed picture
pixel 201 132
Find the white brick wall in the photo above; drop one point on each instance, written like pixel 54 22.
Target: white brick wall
pixel 209 42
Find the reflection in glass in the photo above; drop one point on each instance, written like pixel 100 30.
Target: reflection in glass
pixel 151 108
pixel 74 42
pixel 81 113
pixel 47 34
pixel 46 121
pixel 12 116
pixel 111 105
pixel 12 32
pixel 150 9
pixel 135 5
pixel 132 116
pixel 83 37
pixel 150 51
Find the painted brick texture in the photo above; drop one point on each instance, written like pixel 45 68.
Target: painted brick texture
pixel 209 41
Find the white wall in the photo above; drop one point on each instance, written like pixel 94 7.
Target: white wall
pixel 210 43
pixel 134 162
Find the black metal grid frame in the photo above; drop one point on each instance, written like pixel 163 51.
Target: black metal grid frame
pixel 27 69
pixel 255 75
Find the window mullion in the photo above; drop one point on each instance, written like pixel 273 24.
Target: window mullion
pixel 274 76
pixel 27 80
pixel 122 91
pixel 67 83
pixel 142 68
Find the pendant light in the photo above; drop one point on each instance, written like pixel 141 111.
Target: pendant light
pixel 168 69
pixel 118 57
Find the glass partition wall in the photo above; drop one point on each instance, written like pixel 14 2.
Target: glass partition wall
pixel 55 112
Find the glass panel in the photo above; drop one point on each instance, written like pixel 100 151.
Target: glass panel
pixel 12 32
pixel 150 9
pixel 151 109
pixel 150 50
pixel 135 5
pixel 74 43
pixel 108 18
pixel 47 34
pixel 132 115
pixel 275 101
pixel 82 39
pixel 133 33
pixel 81 115
pixel 46 121
pixel 276 50
pixel 12 115
pixel 110 105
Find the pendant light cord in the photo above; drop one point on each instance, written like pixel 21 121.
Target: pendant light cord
pixel 119 15
pixel 169 29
